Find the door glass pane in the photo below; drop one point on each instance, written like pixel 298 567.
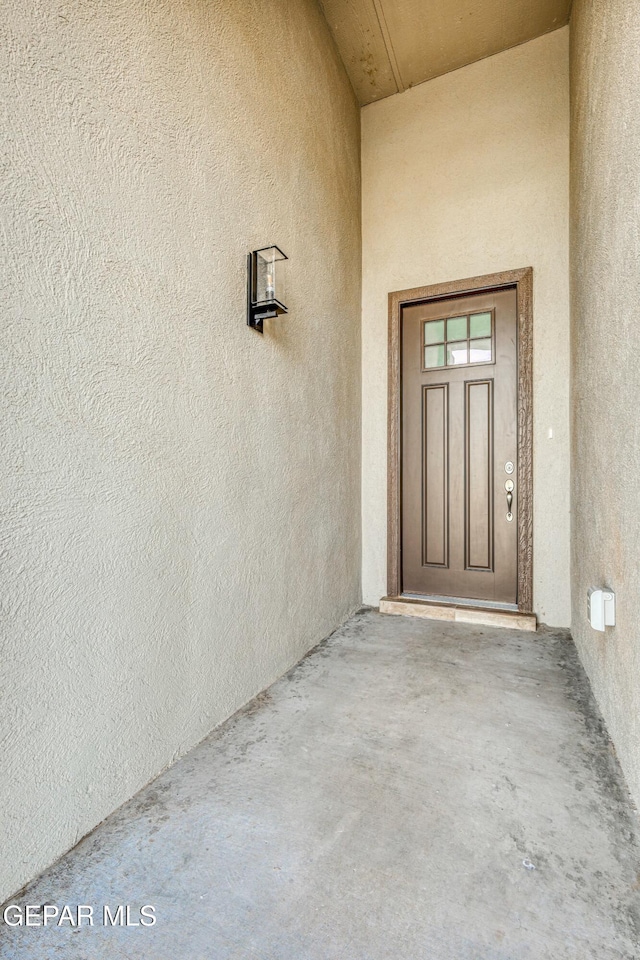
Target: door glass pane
pixel 434 356
pixel 457 328
pixel 480 325
pixel 457 353
pixel 434 331
pixel 480 351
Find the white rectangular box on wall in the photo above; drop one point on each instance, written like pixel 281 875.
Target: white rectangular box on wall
pixel 601 608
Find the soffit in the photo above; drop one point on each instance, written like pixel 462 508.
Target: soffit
pixel 390 45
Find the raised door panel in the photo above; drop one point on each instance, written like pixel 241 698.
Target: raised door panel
pixel 435 471
pixel 479 475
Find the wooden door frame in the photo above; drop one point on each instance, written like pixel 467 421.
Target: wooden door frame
pixel 522 280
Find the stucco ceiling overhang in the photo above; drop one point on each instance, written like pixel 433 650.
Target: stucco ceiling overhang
pixel 390 45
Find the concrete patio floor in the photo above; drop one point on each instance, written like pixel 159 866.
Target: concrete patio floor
pixel 410 790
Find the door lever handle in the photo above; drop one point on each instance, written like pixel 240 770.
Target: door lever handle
pixel 509 501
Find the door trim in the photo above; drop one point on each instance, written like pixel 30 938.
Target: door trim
pixel 522 280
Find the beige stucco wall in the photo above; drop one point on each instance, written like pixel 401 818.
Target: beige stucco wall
pixel 462 176
pixel 181 497
pixel 605 287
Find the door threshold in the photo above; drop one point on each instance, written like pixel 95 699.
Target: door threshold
pixel 458 611
pixel 461 602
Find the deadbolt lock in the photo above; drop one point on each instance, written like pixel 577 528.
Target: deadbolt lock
pixel 508 467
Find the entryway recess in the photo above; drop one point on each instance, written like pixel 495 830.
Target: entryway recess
pixel 460 443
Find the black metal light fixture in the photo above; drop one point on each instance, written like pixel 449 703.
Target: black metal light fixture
pixel 265 288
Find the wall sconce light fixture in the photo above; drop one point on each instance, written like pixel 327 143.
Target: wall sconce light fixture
pixel 265 289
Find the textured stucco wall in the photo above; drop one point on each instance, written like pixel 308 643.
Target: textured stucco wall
pixel 181 497
pixel 605 292
pixel 467 175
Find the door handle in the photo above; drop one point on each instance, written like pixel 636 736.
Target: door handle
pixel 509 485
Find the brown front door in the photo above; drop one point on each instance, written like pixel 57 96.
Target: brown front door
pixel 459 447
